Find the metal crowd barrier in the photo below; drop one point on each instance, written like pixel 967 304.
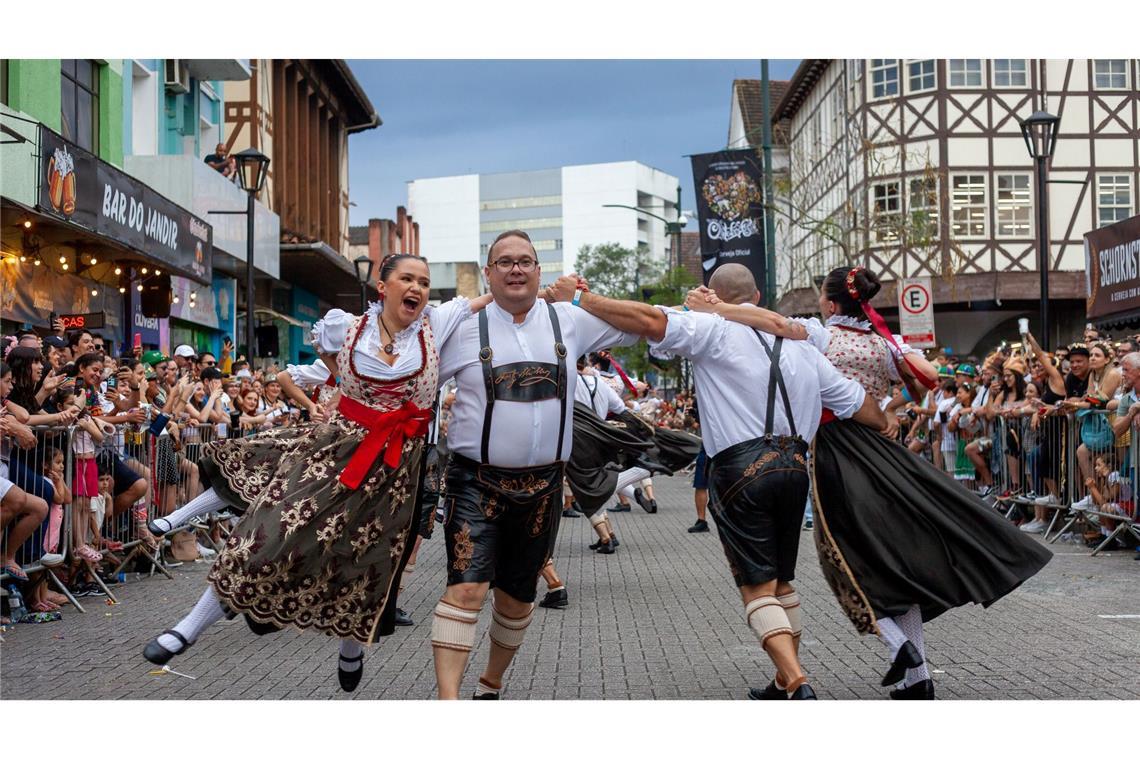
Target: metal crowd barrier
pixel 29 470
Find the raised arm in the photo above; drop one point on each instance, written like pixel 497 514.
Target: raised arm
pixel 756 317
pixel 1056 381
pixel 627 316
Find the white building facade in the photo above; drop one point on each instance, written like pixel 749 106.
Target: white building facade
pixel 918 168
pixel 561 209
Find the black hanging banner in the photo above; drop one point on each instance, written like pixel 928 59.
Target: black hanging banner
pixel 730 209
pixel 79 188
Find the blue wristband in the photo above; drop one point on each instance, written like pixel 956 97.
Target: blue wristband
pixel 577 297
pixel 684 308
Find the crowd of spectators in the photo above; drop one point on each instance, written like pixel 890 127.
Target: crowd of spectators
pixel 110 440
pixel 1037 433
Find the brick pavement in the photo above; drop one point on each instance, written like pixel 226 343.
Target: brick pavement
pixel 659 619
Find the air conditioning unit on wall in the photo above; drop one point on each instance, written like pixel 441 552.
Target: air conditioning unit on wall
pixel 176 75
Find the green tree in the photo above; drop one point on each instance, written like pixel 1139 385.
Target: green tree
pixel 616 271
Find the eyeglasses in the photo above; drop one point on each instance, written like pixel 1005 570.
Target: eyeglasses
pixel 505 265
pixel 209 364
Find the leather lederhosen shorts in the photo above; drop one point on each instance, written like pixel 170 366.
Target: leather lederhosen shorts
pixel 500 522
pixel 757 494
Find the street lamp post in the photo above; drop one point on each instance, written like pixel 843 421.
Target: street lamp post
pixel 1040 133
pixel 252 168
pixel 363 266
pixel 672 228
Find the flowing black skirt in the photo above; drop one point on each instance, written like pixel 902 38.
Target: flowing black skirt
pixel 892 532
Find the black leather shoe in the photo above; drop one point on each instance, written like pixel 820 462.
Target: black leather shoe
pixel 653 506
pixel 555 600
pixel 570 513
pixel 804 692
pixel 921 690
pixel 350 679
pixel 488 695
pixel 908 657
pixel 402 618
pixel 639 497
pixel 700 526
pixel 619 507
pixel 607 548
pixel 771 691
pixel 152 526
pixel 160 655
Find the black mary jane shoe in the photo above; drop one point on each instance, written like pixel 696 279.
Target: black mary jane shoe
pixel 771 691
pixel 653 506
pixel 908 657
pixel 487 695
pixel 607 548
pixel 160 655
pixel 922 690
pixel 599 544
pixel 803 692
pixel 350 679
pixel 154 528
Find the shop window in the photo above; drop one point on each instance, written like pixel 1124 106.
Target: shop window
pixel 1113 198
pixel 1014 206
pixel 80 103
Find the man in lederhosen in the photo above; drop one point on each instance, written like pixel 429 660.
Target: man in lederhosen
pixel 757 448
pixel 510 434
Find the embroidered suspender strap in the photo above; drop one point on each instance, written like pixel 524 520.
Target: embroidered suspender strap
pixel 560 358
pixel 488 384
pixel 776 379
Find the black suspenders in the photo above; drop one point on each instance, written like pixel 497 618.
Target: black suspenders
pixel 485 356
pixel 776 378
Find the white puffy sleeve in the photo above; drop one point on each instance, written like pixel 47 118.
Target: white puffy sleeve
pixel 898 354
pixel 447 317
pixel 309 375
pixel 818 335
pixel 330 332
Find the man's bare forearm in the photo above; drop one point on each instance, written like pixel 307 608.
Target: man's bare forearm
pixel 627 316
pixel 762 319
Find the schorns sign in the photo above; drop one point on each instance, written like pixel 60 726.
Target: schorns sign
pixel 916 312
pixel 83 321
pixel 1112 269
pixel 77 187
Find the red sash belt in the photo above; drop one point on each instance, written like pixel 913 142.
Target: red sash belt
pixel 827 416
pixel 387 431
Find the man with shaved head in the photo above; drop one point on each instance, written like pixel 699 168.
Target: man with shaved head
pixel 761 398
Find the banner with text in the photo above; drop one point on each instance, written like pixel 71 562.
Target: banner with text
pixel 1112 268
pixel 79 188
pixel 730 211
pixel 916 312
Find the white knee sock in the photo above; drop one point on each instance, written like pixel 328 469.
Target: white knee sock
pixel 206 612
pixel 203 504
pixel 891 635
pixel 630 478
pixel 349 649
pixel 911 625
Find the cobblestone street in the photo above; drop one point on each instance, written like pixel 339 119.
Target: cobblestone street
pixel 660 619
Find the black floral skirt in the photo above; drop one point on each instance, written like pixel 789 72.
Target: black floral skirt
pixel 892 531
pixel 309 552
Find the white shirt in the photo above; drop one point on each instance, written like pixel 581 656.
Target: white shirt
pixel 523 434
pixel 329 335
pixel 731 372
pixel 592 391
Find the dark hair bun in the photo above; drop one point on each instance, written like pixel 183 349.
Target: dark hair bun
pixel 867 284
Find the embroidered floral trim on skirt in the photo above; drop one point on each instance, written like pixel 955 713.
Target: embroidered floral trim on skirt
pixel 892 531
pixel 309 552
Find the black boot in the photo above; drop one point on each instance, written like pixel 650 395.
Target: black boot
pixel 908 657
pixel 350 679
pixel 922 690
pixel 771 691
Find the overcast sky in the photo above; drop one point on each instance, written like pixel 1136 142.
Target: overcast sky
pixel 462 117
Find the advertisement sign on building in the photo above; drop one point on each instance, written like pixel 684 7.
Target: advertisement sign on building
pixel 1112 269
pixel 916 312
pixel 77 187
pixel 731 211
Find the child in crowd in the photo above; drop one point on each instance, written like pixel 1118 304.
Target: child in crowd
pixel 55 468
pixel 948 449
pixel 99 508
pixel 962 426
